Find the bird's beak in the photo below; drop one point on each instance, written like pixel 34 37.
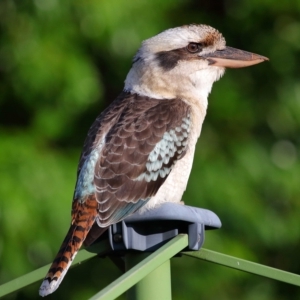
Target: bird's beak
pixel 233 58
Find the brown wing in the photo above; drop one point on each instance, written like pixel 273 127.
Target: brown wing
pixel 101 126
pixel 139 152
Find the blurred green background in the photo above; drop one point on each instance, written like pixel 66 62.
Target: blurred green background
pixel 62 62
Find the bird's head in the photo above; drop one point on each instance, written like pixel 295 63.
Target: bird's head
pixel 184 62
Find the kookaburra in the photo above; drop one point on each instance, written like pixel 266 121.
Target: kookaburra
pixel 139 151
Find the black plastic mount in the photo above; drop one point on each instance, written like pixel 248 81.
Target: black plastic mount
pixel 150 230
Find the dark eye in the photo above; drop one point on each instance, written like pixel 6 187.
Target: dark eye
pixel 194 47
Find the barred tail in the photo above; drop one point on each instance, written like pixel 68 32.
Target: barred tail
pixel 83 217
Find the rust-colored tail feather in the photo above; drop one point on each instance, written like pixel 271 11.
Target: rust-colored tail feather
pixel 83 218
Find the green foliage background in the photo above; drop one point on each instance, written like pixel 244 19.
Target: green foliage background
pixel 62 62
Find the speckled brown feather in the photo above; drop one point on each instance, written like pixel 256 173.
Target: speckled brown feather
pixel 140 126
pixel 100 127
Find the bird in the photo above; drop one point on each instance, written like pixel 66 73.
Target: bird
pixel 139 151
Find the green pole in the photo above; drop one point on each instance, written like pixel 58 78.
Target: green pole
pixel 154 286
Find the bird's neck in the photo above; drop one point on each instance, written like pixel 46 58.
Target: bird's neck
pixel 193 88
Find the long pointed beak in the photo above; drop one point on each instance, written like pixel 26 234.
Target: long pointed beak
pixel 233 58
